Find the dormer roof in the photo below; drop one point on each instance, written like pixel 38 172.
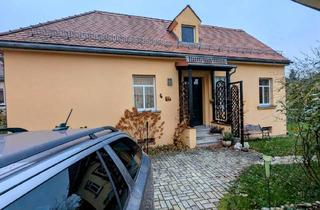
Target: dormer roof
pixel 174 22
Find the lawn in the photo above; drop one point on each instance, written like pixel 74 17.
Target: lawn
pixel 288 184
pixel 277 146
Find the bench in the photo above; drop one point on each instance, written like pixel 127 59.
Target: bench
pixel 256 129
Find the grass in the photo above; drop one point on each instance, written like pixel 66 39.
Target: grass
pixel 277 146
pixel 288 185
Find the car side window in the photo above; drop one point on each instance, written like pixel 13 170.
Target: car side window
pixel 129 153
pixel 83 185
pixel 121 185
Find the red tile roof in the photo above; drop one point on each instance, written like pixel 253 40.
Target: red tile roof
pixel 118 31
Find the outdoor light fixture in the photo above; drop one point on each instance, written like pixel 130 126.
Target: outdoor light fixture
pixel 169 82
pixel 267 165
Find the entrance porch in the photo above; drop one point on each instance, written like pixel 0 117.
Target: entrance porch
pixel 209 98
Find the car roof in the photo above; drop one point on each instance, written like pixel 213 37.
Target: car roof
pixel 14 143
pixel 16 147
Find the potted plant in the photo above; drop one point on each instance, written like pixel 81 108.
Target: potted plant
pixel 228 139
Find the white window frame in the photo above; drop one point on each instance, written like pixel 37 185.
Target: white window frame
pixel 263 95
pixel 143 93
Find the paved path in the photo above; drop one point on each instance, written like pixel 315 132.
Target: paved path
pixel 196 179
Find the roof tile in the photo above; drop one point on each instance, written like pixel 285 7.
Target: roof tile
pixel 111 30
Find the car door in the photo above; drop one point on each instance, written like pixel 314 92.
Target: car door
pixel 136 167
pixel 93 182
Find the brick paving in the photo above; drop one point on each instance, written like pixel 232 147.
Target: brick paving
pixel 196 179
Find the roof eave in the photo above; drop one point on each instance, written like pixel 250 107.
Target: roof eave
pixel 4 44
pixel 259 60
pixel 84 49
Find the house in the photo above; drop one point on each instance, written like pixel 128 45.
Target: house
pixel 2 90
pixel 101 63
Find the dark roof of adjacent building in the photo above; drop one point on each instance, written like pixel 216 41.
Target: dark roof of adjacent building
pixel 97 29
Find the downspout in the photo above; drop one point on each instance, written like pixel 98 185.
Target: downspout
pixel 234 71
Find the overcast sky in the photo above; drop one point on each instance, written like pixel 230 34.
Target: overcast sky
pixel 282 24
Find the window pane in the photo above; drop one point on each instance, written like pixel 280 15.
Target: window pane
pixel 149 91
pixel 187 34
pixel 129 153
pixel 143 80
pixel 121 185
pixel 1 96
pixel 264 82
pixel 84 185
pixel 138 97
pixel 260 95
pixel 266 95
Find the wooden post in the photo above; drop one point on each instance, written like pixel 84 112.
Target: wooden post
pixel 190 96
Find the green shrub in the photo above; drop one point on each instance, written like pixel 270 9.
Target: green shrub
pixel 227 136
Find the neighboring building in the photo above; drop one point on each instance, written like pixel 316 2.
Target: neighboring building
pixel 2 89
pixel 314 4
pixel 101 63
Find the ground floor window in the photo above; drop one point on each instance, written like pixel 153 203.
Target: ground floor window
pixel 264 91
pixel 144 92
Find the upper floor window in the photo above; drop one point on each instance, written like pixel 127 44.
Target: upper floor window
pixel 187 34
pixel 264 91
pixel 144 92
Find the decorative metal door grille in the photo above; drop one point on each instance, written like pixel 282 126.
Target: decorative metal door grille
pixel 235 109
pixel 221 102
pixel 236 116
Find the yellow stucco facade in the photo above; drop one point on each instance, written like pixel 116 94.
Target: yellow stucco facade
pixel 41 87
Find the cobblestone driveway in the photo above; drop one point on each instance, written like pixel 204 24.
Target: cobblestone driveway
pixel 197 179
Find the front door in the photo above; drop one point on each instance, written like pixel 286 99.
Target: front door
pixel 196 119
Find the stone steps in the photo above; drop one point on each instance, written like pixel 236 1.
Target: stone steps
pixel 204 138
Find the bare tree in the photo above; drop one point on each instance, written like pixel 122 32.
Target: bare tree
pixel 303 109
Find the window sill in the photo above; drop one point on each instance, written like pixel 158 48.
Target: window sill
pixel 153 111
pixel 263 107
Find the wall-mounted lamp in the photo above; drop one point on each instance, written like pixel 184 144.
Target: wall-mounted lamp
pixel 169 82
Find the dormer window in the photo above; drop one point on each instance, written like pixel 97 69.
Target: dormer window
pixel 187 34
